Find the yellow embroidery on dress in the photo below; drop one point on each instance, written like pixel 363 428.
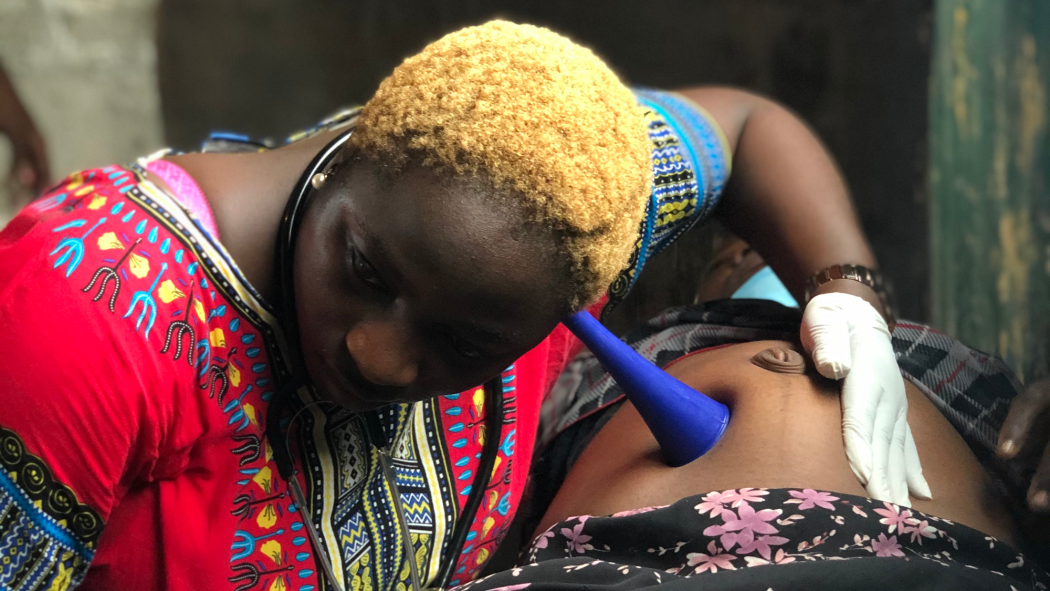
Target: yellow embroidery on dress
pixel 217 338
pixel 249 411
pixel 169 293
pixel 109 241
pixel 235 375
pixel 139 265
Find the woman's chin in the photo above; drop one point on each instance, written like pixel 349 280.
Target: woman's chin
pixel 349 397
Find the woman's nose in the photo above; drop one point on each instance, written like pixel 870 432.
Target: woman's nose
pixel 383 353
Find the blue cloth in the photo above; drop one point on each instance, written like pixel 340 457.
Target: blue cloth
pixel 765 285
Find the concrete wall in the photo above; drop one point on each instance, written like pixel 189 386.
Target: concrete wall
pixel 86 70
pixel 856 69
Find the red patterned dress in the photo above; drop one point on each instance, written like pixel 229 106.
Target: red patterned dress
pixel 137 372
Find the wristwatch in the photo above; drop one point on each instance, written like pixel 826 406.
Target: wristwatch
pixel 870 277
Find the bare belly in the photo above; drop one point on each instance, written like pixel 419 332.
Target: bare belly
pixel 785 432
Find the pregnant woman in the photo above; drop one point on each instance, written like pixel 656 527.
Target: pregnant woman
pixel 776 493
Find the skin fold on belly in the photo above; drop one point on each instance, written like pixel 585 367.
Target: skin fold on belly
pixel 785 431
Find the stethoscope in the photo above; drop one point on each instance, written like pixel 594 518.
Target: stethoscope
pixel 288 232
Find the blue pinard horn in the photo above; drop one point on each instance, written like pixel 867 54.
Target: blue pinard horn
pixel 686 423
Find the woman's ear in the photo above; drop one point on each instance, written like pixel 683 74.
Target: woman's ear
pixel 335 165
pixel 340 160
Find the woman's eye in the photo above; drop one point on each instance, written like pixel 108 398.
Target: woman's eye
pixel 464 348
pixel 364 270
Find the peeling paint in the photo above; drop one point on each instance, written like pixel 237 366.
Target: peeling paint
pixel 964 74
pixel 1017 253
pixel 1003 140
pixel 963 187
pixel 1032 95
pixel 990 220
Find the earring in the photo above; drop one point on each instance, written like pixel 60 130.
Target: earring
pixel 318 180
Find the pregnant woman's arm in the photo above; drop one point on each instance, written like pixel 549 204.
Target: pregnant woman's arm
pixel 785 431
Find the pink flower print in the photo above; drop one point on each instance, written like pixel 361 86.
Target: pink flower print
pixel 712 561
pixel 541 541
pixel 762 544
pixel 919 530
pixel 893 517
pixel 884 547
pixel 742 529
pixel 811 498
pixel 752 521
pixel 779 558
pixel 714 502
pixel 728 538
pixel 577 542
pixel 630 512
pixel 745 495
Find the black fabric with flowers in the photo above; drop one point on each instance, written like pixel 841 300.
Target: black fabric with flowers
pixel 732 539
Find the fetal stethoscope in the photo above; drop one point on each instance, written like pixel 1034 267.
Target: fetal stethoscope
pixel 685 422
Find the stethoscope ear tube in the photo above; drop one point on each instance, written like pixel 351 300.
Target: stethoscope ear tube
pixel 282 456
pixel 287 234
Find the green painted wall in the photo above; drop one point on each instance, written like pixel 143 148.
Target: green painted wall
pixel 989 210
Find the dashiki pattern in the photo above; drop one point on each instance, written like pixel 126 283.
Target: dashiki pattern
pixel 164 342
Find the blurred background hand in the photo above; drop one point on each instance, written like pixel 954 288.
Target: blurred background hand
pixel 30 172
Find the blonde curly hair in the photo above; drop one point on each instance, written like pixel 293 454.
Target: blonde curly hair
pixel 538 117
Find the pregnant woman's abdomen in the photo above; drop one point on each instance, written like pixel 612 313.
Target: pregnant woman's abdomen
pixel 785 431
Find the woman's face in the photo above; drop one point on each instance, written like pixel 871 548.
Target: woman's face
pixel 411 288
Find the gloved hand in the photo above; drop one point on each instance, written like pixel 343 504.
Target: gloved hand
pixel 847 339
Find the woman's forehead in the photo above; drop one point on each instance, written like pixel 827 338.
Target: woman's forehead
pixel 455 244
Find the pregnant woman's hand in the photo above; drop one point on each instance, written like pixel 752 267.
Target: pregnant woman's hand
pixel 848 340
pixel 1023 439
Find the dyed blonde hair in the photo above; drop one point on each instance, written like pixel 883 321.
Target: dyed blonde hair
pixel 538 117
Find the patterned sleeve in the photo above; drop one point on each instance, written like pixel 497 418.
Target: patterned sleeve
pixel 77 423
pixel 691 163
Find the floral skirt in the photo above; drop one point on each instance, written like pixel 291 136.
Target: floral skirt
pixel 779 539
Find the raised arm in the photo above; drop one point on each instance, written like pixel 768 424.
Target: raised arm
pixel 786 197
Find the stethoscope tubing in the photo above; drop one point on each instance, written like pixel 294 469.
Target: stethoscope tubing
pixel 288 231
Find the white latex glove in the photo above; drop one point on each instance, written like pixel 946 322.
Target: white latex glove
pixel 847 338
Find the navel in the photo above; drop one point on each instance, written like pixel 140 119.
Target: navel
pixel 780 360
